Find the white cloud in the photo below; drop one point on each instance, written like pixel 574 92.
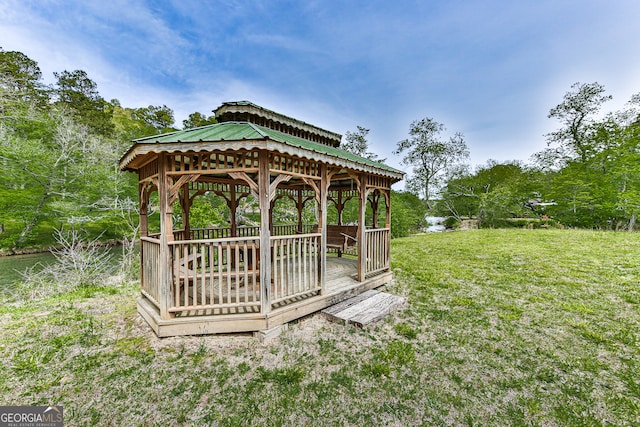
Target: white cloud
pixel 489 69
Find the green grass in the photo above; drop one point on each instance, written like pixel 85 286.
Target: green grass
pixel 503 327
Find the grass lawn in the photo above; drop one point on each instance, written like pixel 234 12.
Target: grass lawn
pixel 503 327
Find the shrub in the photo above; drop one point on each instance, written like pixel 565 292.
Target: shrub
pixel 451 223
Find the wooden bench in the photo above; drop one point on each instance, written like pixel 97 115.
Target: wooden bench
pixel 340 237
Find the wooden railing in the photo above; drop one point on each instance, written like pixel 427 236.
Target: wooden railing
pixel 149 280
pixel 295 266
pixel 291 229
pixel 216 274
pixel 377 241
pixel 242 231
pixel 215 233
pixel 222 275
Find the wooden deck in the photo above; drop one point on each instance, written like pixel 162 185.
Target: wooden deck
pixel 341 284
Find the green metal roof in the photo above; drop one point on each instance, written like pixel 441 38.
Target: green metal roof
pixel 252 108
pixel 236 131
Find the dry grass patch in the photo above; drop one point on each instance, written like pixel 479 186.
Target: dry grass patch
pixel 502 328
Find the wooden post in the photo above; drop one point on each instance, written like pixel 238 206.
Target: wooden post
pixel 144 210
pixel 387 199
pixel 232 203
pixel 375 199
pixel 166 235
pixel 264 183
pixel 185 203
pixel 362 241
pixel 299 208
pixel 340 206
pixel 144 225
pixel 322 219
pixel 272 205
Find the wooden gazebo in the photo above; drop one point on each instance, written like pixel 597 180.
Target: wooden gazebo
pixel 251 278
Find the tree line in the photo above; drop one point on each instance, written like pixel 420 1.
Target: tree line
pixel 588 176
pixel 60 145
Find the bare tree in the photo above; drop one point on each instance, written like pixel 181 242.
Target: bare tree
pixel 78 262
pixel 430 156
pixel 356 143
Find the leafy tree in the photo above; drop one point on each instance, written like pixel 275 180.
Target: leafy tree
pixel 198 119
pixel 158 119
pixel 132 123
pixel 496 191
pixel 408 214
pixel 430 156
pixel 20 78
pixel 575 140
pixel 626 171
pixel 54 169
pixel 356 143
pixel 78 93
pixel 594 183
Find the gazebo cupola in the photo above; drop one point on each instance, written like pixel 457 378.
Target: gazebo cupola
pixel 254 277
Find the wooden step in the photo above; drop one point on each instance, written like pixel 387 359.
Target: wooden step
pixel 368 307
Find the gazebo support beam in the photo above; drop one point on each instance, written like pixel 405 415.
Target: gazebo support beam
pixel 387 201
pixel 362 240
pixel 144 210
pixel 185 203
pixel 322 218
pixel 166 236
pixel 264 184
pixel 374 201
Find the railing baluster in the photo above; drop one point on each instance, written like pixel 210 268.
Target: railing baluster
pixel 219 264
pixel 245 257
pixel 274 273
pixel 203 266
pixel 237 271
pixel 211 275
pixel 227 268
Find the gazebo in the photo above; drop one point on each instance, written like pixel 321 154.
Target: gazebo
pixel 242 278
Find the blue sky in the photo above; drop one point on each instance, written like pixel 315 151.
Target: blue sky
pixel 490 69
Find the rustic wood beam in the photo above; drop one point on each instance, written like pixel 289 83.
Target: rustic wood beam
pixel 232 201
pixel 322 225
pixel 264 191
pixel 144 210
pixel 185 204
pixel 387 199
pixel 362 241
pixel 272 205
pixel 253 186
pixel 356 178
pixel 311 183
pixel 206 172
pixel 175 188
pixel 274 185
pixel 166 236
pixel 374 202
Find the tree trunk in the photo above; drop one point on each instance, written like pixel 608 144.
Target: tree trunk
pixel 632 222
pixel 426 194
pixel 34 219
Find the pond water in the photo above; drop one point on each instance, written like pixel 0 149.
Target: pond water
pixel 12 266
pixel 436 224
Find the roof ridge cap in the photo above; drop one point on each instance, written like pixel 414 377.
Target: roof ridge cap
pixel 258 129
